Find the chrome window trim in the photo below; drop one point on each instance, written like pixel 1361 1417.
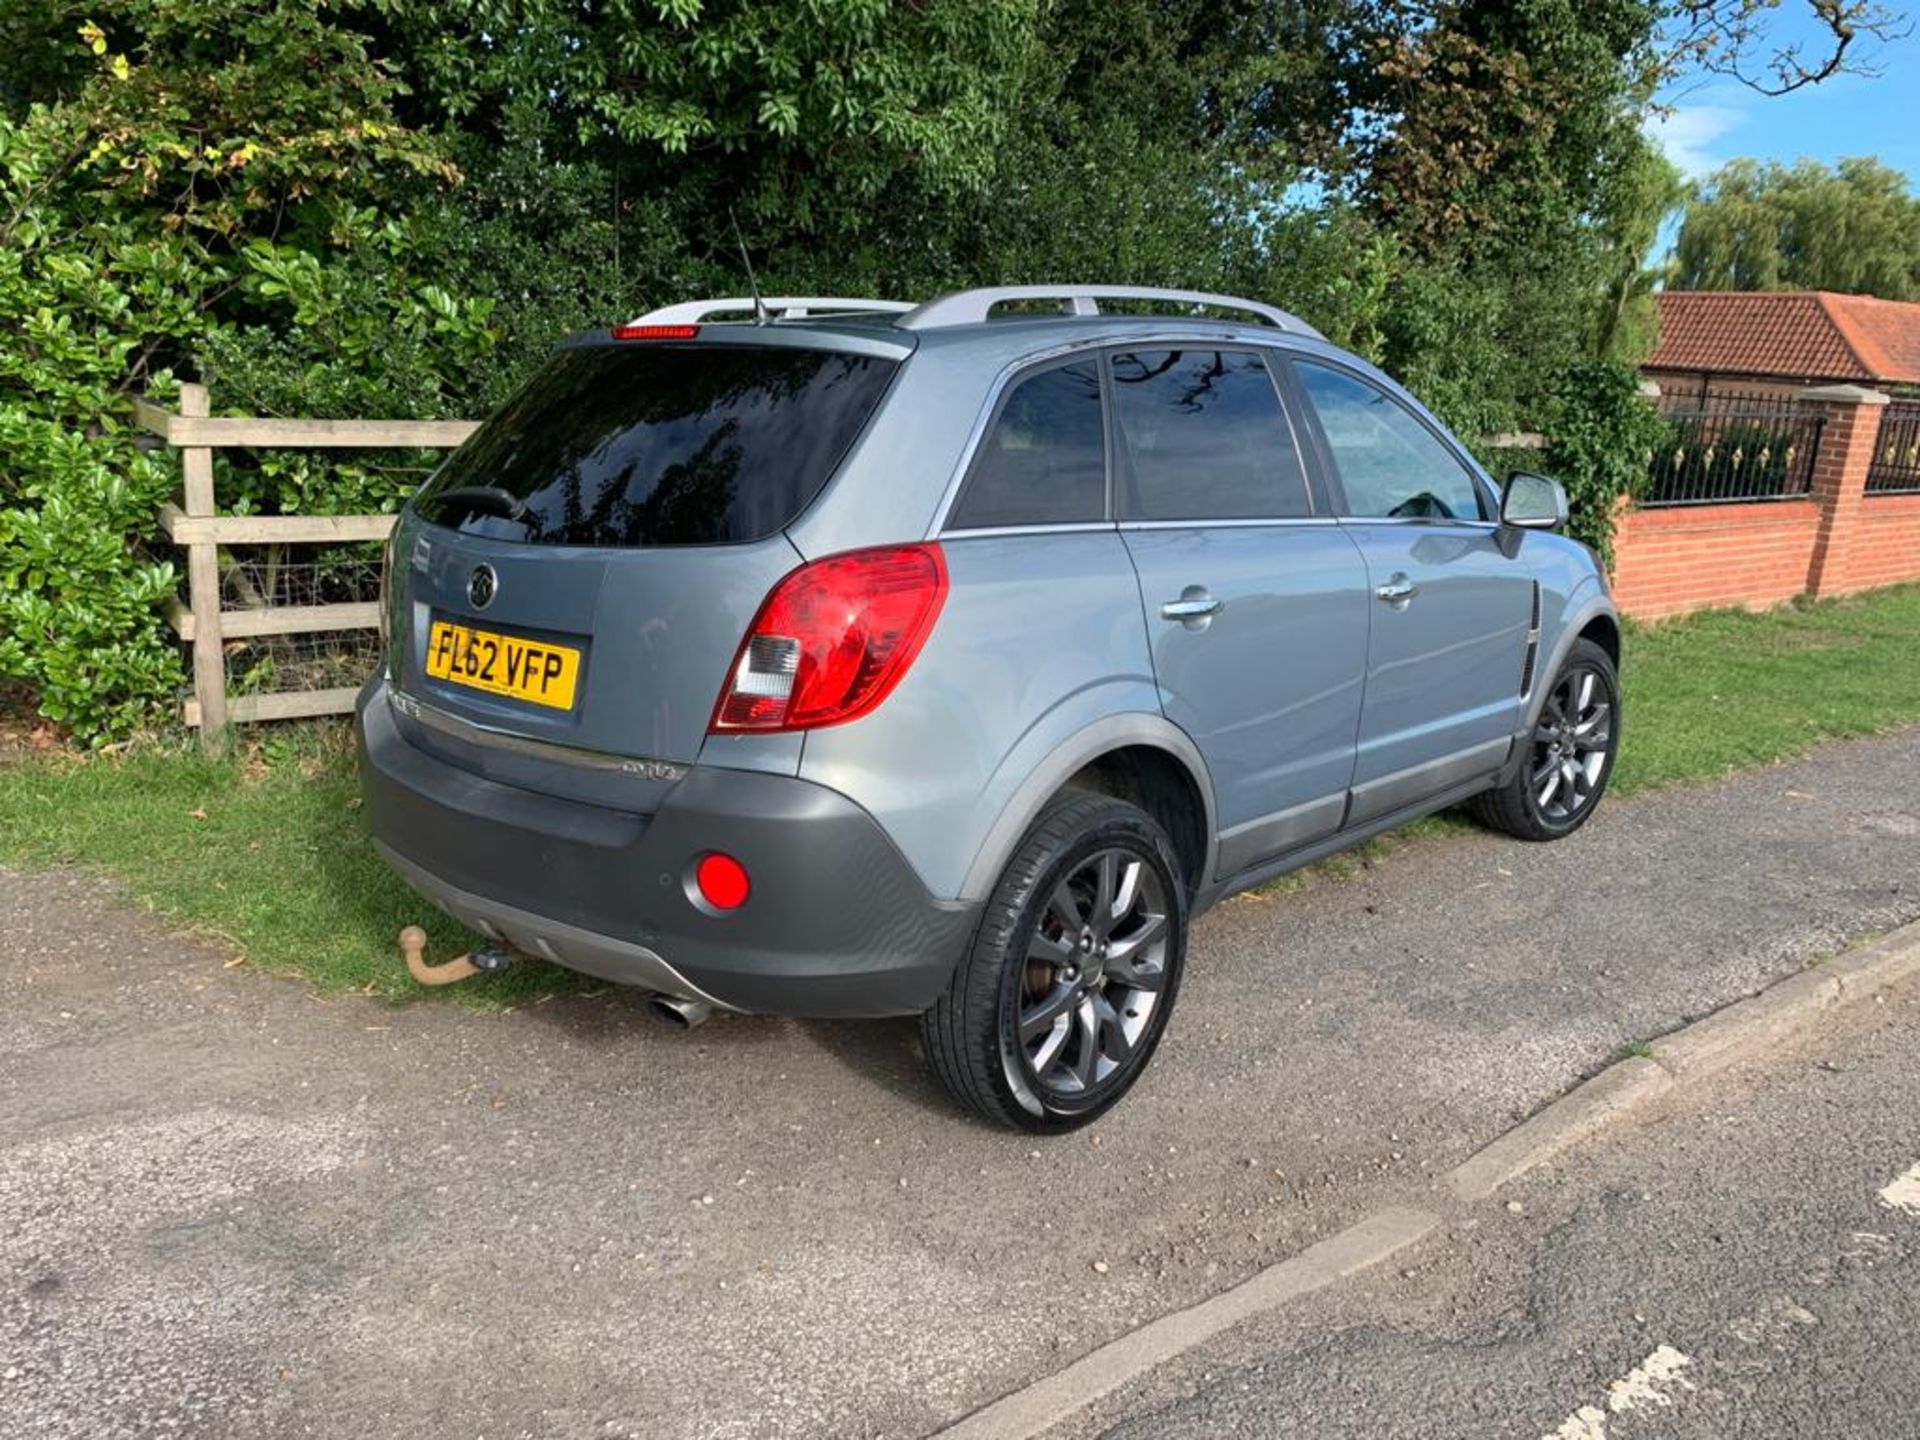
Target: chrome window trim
pixel 1065 527
pixel 1489 525
pixel 1250 522
pixel 1089 527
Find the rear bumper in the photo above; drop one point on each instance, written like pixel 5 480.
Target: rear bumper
pixel 837 923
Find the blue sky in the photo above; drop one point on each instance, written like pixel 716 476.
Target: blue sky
pixel 1714 121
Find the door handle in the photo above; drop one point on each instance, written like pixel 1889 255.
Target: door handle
pixel 1398 591
pixel 1194 609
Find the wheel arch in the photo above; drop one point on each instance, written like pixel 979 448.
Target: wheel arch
pixel 1604 630
pixel 1587 617
pixel 1145 759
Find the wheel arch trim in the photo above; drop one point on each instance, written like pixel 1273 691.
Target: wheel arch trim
pixel 1576 616
pixel 1062 763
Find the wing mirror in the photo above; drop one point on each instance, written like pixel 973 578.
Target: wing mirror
pixel 1533 502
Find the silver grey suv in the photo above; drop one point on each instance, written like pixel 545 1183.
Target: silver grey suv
pixel 851 658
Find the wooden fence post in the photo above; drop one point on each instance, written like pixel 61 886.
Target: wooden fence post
pixel 194 524
pixel 203 580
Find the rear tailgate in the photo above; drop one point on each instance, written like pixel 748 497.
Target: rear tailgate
pixel 653 631
pixel 581 572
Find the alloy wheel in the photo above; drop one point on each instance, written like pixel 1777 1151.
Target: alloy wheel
pixel 1095 972
pixel 1572 744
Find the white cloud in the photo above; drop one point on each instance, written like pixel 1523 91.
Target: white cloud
pixel 1687 133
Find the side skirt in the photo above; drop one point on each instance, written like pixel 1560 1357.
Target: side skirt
pixel 1342 840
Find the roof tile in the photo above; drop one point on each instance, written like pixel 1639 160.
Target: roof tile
pixel 1800 334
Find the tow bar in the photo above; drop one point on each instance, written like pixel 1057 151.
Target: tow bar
pixel 486 960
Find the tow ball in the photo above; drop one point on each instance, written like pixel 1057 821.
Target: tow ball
pixel 486 960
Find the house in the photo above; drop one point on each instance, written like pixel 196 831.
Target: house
pixel 1763 342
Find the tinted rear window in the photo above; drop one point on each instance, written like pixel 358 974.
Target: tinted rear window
pixel 661 445
pixel 1205 438
pixel 1044 462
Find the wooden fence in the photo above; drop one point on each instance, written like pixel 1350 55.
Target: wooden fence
pixel 193 523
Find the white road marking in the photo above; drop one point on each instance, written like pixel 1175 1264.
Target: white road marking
pixel 1904 1193
pixel 1646 1384
pixel 1586 1423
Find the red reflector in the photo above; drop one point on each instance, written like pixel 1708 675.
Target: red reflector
pixel 654 332
pixel 833 639
pixel 722 881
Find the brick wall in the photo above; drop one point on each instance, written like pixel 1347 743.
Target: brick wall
pixel 1668 561
pixel 1886 550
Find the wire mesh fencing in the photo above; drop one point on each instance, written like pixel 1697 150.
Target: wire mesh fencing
pixel 255 577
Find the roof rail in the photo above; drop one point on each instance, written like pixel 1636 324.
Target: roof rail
pixel 968 307
pixel 782 307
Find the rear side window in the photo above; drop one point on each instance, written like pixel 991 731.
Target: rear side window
pixel 1204 438
pixel 1043 461
pixel 1391 466
pixel 650 445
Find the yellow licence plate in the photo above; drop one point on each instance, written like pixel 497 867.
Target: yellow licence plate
pixel 531 670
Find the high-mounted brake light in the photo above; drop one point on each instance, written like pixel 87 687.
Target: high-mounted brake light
pixel 833 638
pixel 654 332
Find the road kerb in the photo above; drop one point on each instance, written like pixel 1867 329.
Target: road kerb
pixel 1865 972
pixel 1736 1031
pixel 1573 1117
pixel 1047 1402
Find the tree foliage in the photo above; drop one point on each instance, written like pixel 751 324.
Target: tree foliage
pixel 362 207
pixel 1853 228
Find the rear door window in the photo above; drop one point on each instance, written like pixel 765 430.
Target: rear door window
pixel 1204 437
pixel 652 445
pixel 1043 460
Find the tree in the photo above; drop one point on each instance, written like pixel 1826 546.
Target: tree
pixel 1753 226
pixel 1730 38
pixel 352 207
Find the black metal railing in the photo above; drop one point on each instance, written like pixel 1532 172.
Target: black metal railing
pixel 1896 455
pixel 1732 447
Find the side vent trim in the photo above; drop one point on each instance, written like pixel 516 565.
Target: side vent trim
pixel 1533 646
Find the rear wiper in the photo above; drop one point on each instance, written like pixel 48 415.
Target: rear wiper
pixel 490 498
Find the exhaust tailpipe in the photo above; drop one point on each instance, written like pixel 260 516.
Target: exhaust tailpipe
pixel 680 1014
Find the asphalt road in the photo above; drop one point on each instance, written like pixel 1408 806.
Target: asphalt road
pixel 230 1209
pixel 1735 1266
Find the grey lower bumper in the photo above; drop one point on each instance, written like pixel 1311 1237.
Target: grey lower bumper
pixel 551 940
pixel 837 924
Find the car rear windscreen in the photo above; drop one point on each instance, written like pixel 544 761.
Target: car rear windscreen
pixel 659 445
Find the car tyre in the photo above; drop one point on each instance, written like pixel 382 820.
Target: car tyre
pixel 1569 756
pixel 1065 993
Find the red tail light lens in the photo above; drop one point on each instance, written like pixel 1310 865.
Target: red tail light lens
pixel 654 332
pixel 833 639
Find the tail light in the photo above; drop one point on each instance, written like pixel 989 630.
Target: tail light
pixel 833 639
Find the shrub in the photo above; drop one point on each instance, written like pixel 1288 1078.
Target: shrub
pixel 1601 431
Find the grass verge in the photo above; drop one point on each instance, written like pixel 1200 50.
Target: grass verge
pixel 265 849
